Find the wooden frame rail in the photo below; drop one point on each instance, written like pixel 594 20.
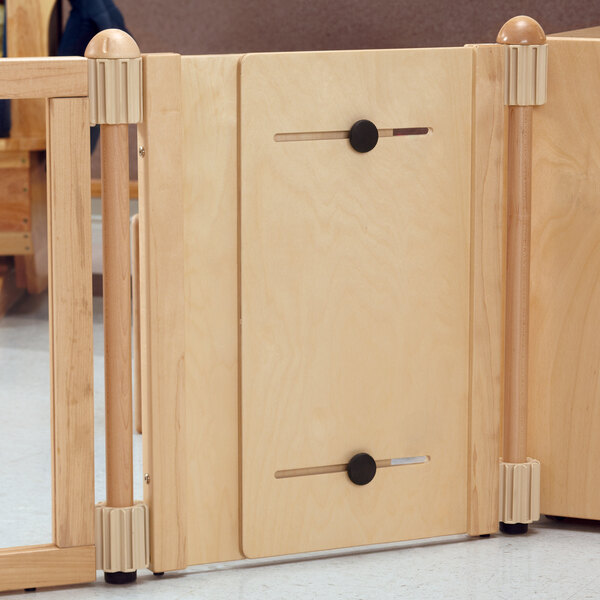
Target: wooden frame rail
pixel 71 557
pixel 62 77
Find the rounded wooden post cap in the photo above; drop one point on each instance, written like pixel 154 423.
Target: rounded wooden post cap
pixel 521 31
pixel 115 78
pixel 112 43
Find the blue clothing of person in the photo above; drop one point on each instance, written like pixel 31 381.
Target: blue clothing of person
pixel 4 103
pixel 86 19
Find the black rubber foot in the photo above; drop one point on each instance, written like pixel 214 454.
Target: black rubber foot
pixel 513 528
pixel 30 589
pixel 120 578
pixel 484 535
pixel 159 574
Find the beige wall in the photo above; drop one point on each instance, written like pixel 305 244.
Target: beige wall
pixel 222 26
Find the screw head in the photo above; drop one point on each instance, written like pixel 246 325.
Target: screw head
pixel 142 151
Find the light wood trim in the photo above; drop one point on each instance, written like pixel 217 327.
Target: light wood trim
pixel 15 242
pixel 97 189
pixel 70 313
pixel 43 77
pixel 27 35
pixel 210 203
pixel 517 283
pixel 23 144
pixel 564 380
pixel 487 288
pixel 135 298
pixel 117 314
pixel 14 159
pixel 162 308
pixel 35 266
pixel 588 32
pixel 44 566
pixel 27 27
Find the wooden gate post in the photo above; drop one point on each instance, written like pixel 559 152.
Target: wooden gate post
pixel 115 89
pixel 525 87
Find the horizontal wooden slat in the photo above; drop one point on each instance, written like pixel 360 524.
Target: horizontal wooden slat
pixel 15 242
pixel 44 566
pixel 97 189
pixel 43 77
pixel 13 159
pixel 23 143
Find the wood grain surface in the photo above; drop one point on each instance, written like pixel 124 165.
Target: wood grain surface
pixel 355 284
pixel 564 405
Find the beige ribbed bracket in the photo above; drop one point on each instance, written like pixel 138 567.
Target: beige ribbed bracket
pixel 122 538
pixel 115 78
pixel 526 62
pixel 520 491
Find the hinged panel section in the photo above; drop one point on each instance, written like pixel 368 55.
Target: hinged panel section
pixel 355 296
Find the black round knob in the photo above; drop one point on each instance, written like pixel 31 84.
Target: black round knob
pixel 363 135
pixel 361 468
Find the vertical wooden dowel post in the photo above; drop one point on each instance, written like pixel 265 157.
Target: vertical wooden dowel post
pixel 137 345
pixel 115 87
pixel 526 65
pixel 117 314
pixel 518 244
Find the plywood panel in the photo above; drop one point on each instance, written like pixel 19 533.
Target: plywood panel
pixel 487 287
pixel 355 279
pixel 209 105
pixel 564 404
pixel 162 311
pixel 70 313
pixel 191 453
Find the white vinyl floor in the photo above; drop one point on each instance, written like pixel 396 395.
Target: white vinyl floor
pixel 556 560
